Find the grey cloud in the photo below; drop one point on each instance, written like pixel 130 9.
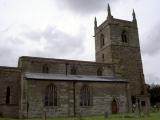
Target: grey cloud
pixel 151 44
pixel 84 6
pixel 34 35
pixel 9 51
pixel 57 44
pixel 60 44
pixel 4 52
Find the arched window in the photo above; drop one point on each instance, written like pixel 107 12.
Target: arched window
pixel 45 69
pixel 85 96
pixel 51 95
pixel 124 37
pixel 102 40
pixel 8 95
pixel 73 70
pixel 99 71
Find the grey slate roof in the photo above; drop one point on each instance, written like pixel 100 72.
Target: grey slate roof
pixel 63 77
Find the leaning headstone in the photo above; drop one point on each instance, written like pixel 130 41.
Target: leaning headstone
pixel 106 115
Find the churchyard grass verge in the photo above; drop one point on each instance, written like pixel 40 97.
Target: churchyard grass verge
pixel 153 116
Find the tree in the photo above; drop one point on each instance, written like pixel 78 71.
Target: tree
pixel 154 91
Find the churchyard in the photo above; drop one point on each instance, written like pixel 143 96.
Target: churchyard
pixel 153 116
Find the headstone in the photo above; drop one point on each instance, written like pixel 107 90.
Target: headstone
pixel 106 115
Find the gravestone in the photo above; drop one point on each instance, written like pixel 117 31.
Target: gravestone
pixel 106 115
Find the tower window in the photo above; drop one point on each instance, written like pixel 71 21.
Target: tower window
pixel 101 40
pixel 124 37
pixel 51 95
pixel 85 96
pixel 45 69
pixel 8 95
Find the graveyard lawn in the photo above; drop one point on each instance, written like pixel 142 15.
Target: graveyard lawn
pixel 153 116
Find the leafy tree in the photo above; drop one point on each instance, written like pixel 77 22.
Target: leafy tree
pixel 154 91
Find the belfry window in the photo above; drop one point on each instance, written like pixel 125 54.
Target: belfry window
pixel 124 37
pixel 102 40
pixel 51 95
pixel 8 95
pixel 45 69
pixel 85 96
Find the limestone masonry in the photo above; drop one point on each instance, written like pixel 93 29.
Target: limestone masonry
pixel 58 87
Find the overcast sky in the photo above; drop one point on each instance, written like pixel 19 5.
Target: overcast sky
pixel 64 29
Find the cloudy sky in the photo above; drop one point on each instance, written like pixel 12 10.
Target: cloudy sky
pixel 64 29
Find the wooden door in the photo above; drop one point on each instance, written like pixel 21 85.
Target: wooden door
pixel 114 107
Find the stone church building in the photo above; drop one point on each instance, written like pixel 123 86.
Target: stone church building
pixel 61 87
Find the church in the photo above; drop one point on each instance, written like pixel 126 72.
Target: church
pixel 59 87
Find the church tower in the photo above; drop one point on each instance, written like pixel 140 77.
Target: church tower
pixel 117 42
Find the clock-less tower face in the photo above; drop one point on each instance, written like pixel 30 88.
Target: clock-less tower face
pixel 117 42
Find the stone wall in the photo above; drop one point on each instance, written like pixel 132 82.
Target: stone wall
pixel 128 64
pixel 9 77
pixel 116 29
pixel 102 96
pixel 58 66
pixel 125 56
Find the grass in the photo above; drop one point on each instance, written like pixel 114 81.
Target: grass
pixel 153 116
